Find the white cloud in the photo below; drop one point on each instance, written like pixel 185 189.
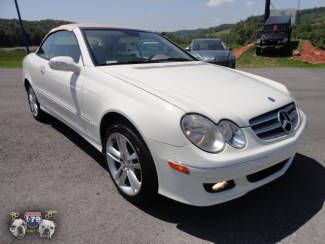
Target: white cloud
pixel 249 2
pixel 214 3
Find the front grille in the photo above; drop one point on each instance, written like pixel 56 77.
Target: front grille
pixel 267 126
pixel 260 175
pixel 270 42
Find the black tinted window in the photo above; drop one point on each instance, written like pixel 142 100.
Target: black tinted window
pixel 62 43
pixel 208 45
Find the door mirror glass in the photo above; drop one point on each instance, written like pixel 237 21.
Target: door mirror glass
pixel 64 63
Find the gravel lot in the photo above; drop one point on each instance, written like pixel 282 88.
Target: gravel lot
pixel 48 166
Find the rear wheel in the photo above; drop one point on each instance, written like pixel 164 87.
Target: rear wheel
pixel 34 105
pixel 258 51
pixel 130 163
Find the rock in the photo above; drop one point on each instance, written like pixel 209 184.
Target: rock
pixel 296 53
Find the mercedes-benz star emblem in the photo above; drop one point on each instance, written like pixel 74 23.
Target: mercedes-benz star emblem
pixel 285 121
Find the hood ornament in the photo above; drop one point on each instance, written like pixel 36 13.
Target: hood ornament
pixel 285 121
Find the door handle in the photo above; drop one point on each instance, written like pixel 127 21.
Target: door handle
pixel 42 69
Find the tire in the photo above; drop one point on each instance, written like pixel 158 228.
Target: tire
pixel 258 51
pixel 34 105
pixel 134 161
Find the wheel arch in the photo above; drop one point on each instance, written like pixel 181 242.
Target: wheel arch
pixel 114 116
pixel 27 83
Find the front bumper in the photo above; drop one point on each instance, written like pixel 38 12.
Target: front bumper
pixel 231 164
pixel 271 46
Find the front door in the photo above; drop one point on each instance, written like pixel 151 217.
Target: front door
pixel 60 90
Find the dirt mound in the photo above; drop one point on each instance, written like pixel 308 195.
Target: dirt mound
pixel 240 51
pixel 311 54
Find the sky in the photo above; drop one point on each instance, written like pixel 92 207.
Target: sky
pixel 155 15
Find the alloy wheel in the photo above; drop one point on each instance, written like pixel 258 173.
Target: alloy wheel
pixel 124 164
pixel 32 100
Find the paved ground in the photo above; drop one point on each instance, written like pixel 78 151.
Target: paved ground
pixel 48 166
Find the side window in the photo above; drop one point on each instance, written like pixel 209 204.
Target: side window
pixel 65 44
pixel 44 50
pixel 62 43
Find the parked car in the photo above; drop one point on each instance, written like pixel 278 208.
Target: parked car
pixel 198 133
pixel 212 51
pixel 276 34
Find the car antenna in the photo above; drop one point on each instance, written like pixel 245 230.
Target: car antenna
pixel 25 37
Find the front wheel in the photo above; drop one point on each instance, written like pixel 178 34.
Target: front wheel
pixel 34 105
pixel 258 51
pixel 130 163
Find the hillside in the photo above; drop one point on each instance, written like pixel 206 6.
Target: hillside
pixel 10 34
pixel 310 26
pixel 183 37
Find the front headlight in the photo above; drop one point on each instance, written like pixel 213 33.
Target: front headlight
pixel 209 136
pixel 203 133
pixel 232 134
pixel 208 59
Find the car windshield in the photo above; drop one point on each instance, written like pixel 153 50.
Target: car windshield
pixel 275 28
pixel 119 46
pixel 208 45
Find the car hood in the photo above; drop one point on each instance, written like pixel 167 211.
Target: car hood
pixel 216 92
pixel 218 55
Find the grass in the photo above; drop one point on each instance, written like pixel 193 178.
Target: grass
pixel 11 59
pixel 251 60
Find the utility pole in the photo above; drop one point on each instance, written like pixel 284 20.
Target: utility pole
pixel 267 10
pixel 22 28
pixel 298 9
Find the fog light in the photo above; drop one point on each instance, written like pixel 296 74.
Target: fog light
pixel 219 186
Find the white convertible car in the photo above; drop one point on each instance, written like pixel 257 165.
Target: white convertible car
pixel 194 132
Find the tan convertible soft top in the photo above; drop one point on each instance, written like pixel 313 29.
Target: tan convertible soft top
pixel 71 27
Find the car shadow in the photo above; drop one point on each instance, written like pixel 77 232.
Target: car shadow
pixel 76 139
pixel 265 215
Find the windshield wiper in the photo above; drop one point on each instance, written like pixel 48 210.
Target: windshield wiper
pixel 127 62
pixel 148 61
pixel 171 59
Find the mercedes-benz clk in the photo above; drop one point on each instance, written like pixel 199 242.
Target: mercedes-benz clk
pixel 167 123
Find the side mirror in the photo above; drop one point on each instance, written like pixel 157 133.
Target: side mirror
pixel 229 48
pixel 188 48
pixel 64 63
